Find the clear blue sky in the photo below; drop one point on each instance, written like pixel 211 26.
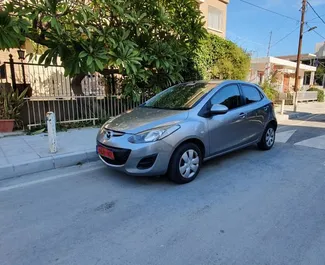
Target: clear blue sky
pixel 250 27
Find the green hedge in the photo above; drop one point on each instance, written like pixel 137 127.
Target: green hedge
pixel 320 95
pixel 218 58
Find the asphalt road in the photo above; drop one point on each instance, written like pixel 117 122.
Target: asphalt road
pixel 249 207
pixel 307 127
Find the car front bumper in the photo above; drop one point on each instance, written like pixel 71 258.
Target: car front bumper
pixel 148 159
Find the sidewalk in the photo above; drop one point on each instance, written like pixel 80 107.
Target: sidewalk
pixel 26 154
pixel 302 110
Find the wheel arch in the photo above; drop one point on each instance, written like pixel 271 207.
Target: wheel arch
pixel 193 140
pixel 171 166
pixel 274 123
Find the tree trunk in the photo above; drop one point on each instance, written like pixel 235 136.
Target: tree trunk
pixel 86 106
pixel 76 85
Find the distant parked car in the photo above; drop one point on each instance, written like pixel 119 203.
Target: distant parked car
pixel 179 128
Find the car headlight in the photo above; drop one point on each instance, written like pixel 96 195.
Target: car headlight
pixel 153 135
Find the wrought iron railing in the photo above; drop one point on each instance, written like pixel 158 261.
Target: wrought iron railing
pixel 51 90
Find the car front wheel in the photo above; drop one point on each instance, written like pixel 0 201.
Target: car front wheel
pixel 185 163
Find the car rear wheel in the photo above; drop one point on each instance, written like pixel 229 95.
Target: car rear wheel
pixel 268 138
pixel 185 163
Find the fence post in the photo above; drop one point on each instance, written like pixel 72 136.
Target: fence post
pixel 24 75
pixel 113 85
pixel 94 111
pixel 51 130
pixel 12 70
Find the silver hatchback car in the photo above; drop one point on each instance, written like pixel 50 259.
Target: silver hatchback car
pixel 179 128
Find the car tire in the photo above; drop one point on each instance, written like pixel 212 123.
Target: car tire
pixel 268 138
pixel 181 171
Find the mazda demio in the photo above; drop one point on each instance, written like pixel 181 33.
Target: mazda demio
pixel 178 129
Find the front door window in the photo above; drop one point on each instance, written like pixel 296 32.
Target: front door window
pixel 228 96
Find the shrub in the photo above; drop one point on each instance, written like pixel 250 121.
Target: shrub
pixel 218 58
pixel 269 91
pixel 11 103
pixel 320 94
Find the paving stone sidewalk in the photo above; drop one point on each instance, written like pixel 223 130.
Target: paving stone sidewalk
pixel 26 154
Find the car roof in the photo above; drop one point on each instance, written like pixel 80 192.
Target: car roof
pixel 219 82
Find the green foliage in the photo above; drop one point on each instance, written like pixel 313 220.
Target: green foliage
pixel 12 30
pixel 269 90
pixel 11 103
pixel 320 94
pixel 221 59
pixel 149 41
pixel 269 86
pixel 319 75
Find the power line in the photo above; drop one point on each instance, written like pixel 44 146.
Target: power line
pixel 310 21
pixel 271 11
pixel 316 12
pixel 319 34
pixel 315 31
pixel 317 17
pixel 286 36
pixel 245 39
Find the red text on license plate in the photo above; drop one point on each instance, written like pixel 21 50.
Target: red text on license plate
pixel 105 152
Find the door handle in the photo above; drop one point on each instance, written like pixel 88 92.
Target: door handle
pixel 242 115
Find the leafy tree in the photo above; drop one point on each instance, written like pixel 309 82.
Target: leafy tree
pixel 149 41
pixel 221 59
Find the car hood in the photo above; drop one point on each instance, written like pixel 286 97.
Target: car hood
pixel 142 119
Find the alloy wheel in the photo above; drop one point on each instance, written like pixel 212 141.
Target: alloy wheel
pixel 270 137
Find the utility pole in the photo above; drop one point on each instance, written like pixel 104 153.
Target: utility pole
pixel 301 34
pixel 268 65
pixel 269 47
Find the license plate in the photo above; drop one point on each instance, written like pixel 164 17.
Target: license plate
pixel 105 152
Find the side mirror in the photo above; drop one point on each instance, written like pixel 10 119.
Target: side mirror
pixel 218 109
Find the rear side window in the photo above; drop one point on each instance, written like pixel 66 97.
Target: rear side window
pixel 251 94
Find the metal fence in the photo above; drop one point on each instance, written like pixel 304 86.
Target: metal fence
pixel 302 96
pixel 76 109
pixel 307 96
pixel 51 90
pixel 50 81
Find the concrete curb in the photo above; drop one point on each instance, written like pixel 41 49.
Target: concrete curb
pixel 10 134
pixel 291 116
pixel 47 163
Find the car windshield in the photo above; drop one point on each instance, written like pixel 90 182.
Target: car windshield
pixel 180 97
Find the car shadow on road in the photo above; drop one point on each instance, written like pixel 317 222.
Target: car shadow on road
pixel 124 179
pixel 163 181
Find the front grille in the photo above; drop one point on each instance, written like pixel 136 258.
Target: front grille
pixel 120 155
pixel 147 162
pixel 111 133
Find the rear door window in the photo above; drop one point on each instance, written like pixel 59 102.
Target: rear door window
pixel 251 94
